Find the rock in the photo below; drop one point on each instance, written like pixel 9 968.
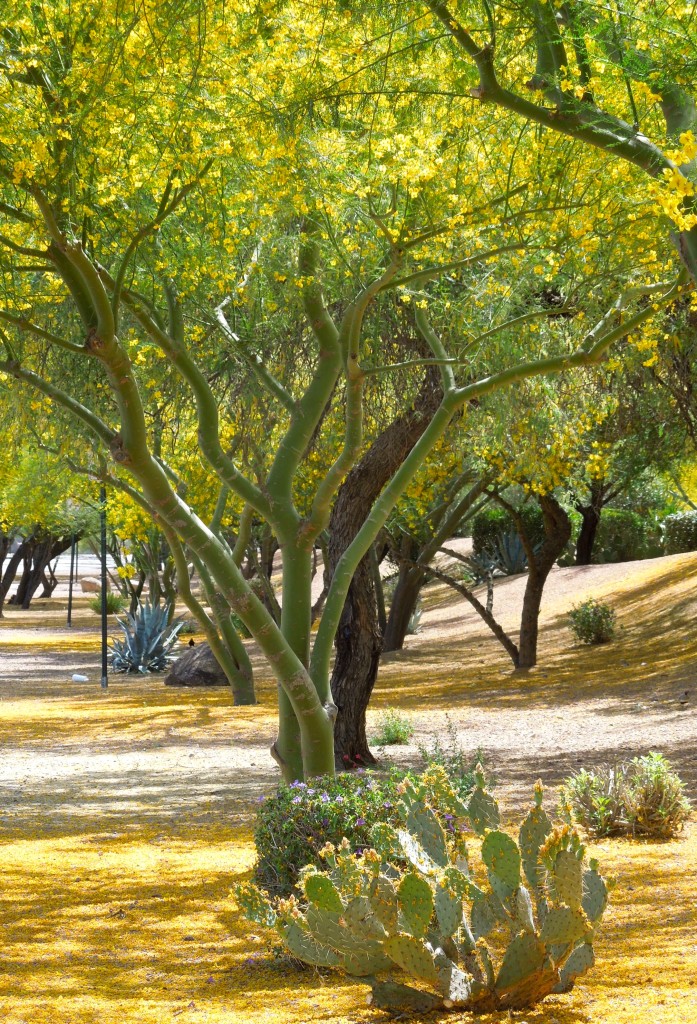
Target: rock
pixel 90 585
pixel 196 667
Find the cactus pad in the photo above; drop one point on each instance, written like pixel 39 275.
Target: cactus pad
pixel 365 963
pixel 524 956
pixel 255 905
pixel 524 911
pixel 383 900
pixel 594 894
pixel 416 903
pixel 486 965
pixel 482 919
pixel 483 811
pixel 502 858
pixel 533 833
pixel 385 840
pixel 455 985
pixel 413 851
pixel 567 877
pixel 448 910
pixel 412 956
pixel 581 960
pixel 423 823
pixel 321 891
pixel 389 995
pixel 563 925
pixel 302 945
pixel 457 881
pixel 361 919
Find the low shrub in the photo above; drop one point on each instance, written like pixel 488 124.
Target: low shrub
pixel 295 822
pixel 642 797
pixel 680 533
pixel 393 728
pixel 592 622
pixel 449 754
pixel 595 799
pixel 115 603
pixel 655 798
pixel 494 521
pixel 624 536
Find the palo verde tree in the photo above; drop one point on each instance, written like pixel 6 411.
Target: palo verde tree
pixel 617 79
pixel 162 171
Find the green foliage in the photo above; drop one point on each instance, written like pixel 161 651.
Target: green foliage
pixel 680 533
pixel 654 797
pixel 592 622
pixel 446 751
pixel 296 821
pixel 624 536
pixel 642 797
pixel 115 603
pixel 493 522
pixel 149 638
pixel 486 527
pixel 368 913
pixel 393 728
pixel 595 799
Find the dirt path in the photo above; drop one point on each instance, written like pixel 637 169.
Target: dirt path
pixel 581 707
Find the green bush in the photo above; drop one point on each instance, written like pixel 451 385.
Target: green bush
pixel 393 728
pixel 624 536
pixel 680 533
pixel 592 622
pixel 115 603
pixel 294 823
pixel 595 799
pixel 486 527
pixel 643 797
pixel 449 754
pixel 655 799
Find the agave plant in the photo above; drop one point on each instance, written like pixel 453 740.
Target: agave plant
pixel 149 638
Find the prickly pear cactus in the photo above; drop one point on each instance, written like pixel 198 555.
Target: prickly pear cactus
pixel 411 904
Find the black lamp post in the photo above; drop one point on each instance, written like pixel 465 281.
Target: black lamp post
pixel 73 573
pixel 102 518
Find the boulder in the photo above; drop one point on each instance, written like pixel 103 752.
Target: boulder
pixel 90 585
pixel 196 667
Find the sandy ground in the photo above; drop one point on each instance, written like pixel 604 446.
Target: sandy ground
pixel 180 750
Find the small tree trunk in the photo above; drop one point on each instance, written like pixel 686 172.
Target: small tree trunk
pixel 358 648
pixel 49 582
pixel 35 561
pixel 590 519
pixel 557 532
pixel 10 572
pixel 358 641
pixel 406 594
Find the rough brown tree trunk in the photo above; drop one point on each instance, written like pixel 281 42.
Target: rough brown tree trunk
pixel 557 532
pixel 590 519
pixel 359 641
pixel 406 594
pixel 9 574
pixel 36 558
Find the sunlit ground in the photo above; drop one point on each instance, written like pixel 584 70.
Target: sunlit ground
pixel 124 825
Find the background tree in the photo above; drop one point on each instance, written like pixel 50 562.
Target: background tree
pixel 146 181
